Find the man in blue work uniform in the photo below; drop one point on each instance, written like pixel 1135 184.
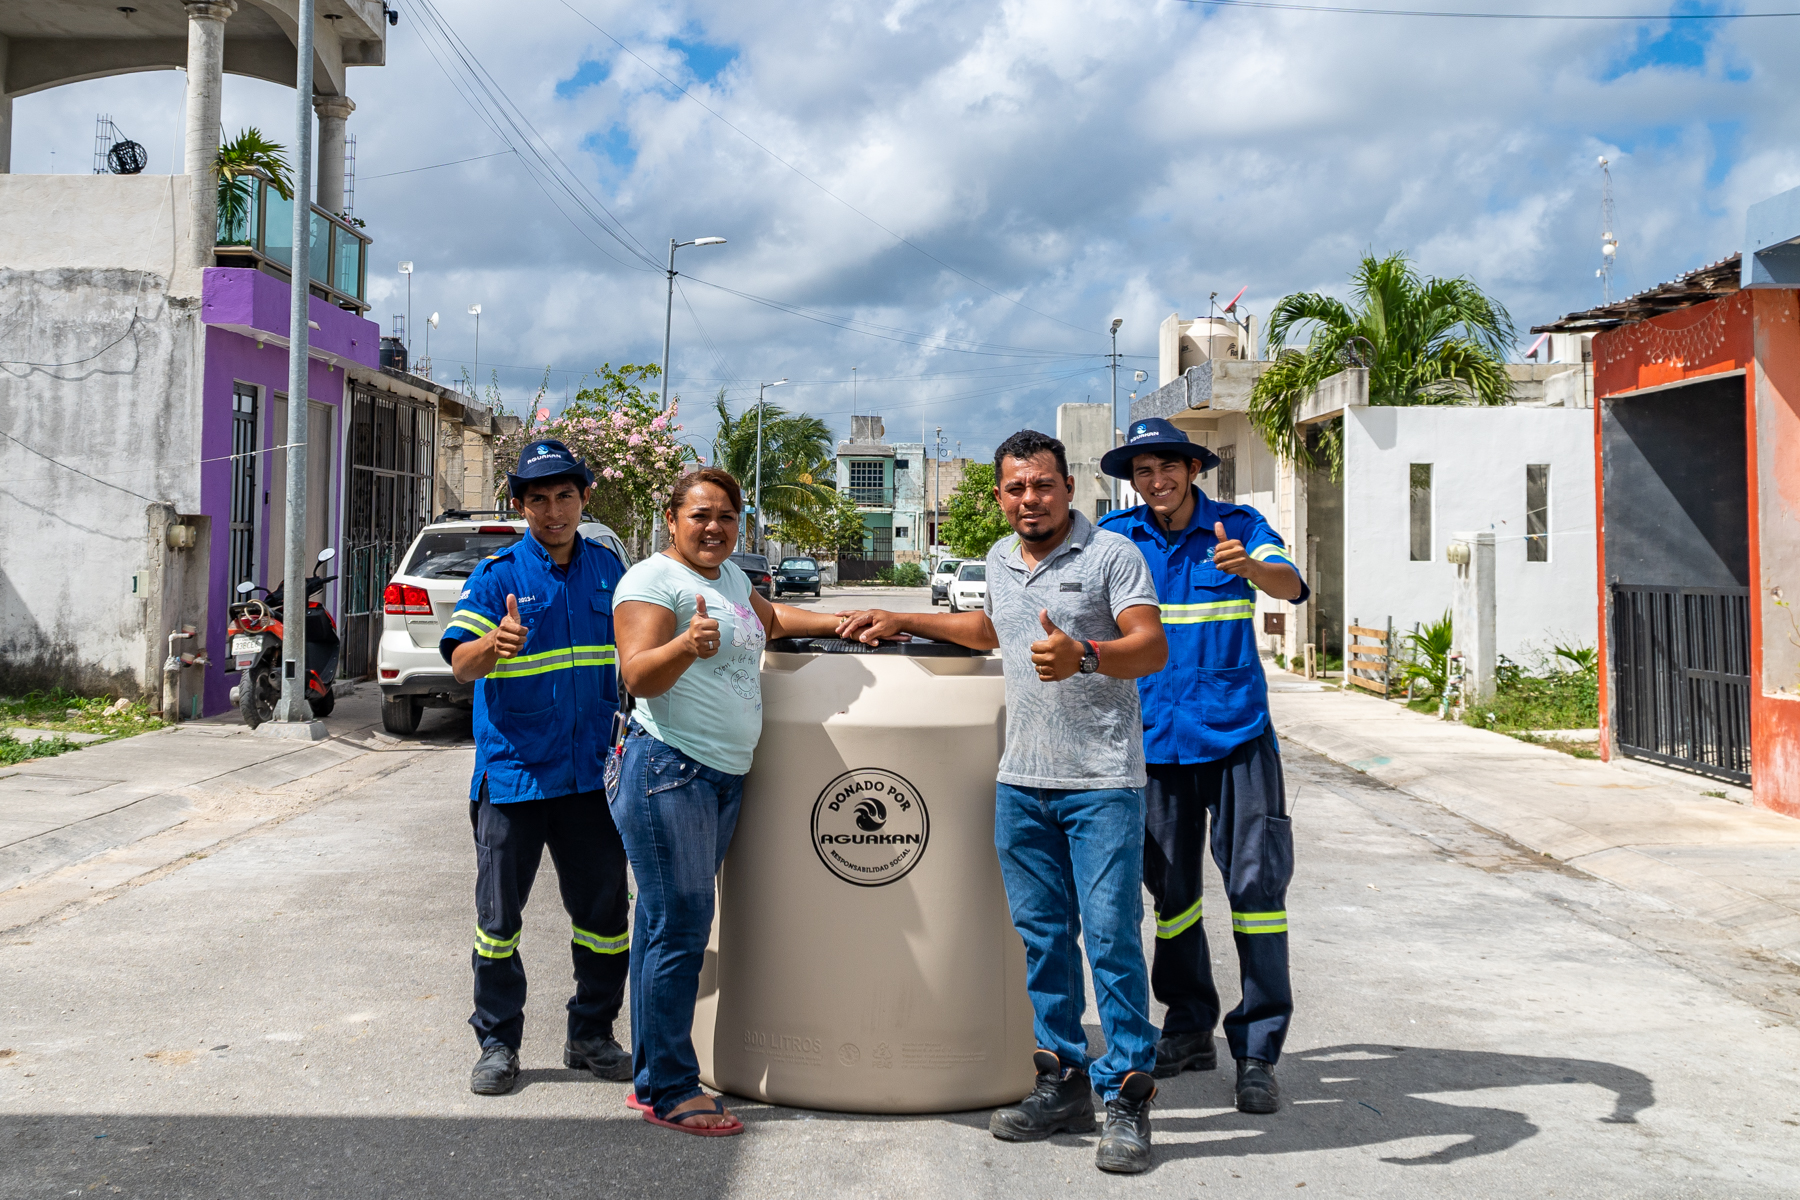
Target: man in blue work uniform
pixel 534 626
pixel 1210 748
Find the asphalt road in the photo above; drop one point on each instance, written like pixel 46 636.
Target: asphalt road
pixel 285 1017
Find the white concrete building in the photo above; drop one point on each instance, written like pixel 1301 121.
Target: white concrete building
pixel 1414 477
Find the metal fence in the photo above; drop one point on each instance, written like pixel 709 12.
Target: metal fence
pixel 1681 677
pixel 868 566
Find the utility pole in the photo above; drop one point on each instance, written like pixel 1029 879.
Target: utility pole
pixel 937 484
pixel 406 270
pixel 1113 412
pixel 293 715
pixel 475 379
pixel 759 424
pixel 669 308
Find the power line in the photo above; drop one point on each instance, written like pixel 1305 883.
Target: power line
pixel 1485 16
pixel 802 174
pixel 436 166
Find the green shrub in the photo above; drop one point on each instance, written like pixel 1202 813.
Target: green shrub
pixel 907 574
pixel 1560 700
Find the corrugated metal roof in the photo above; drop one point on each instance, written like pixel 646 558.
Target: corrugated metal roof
pixel 1684 291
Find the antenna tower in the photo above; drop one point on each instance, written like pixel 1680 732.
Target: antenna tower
pixel 350 176
pixel 1609 245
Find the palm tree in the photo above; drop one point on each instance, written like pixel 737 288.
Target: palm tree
pixel 1424 341
pixel 798 472
pixel 249 154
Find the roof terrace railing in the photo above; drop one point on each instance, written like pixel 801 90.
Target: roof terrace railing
pixel 258 231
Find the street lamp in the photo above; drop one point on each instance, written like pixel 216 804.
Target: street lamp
pixel 1114 411
pixel 475 380
pixel 669 308
pixel 760 389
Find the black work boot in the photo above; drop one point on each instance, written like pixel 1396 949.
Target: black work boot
pixel 1180 1052
pixel 495 1071
pixel 1257 1091
pixel 1125 1142
pixel 1058 1104
pixel 603 1056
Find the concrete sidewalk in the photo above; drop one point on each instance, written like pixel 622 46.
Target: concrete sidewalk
pixel 87 822
pixel 1651 831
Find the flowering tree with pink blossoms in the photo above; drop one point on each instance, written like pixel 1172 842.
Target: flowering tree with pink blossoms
pixel 615 427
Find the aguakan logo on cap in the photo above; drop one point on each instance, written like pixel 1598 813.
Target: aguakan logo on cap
pixel 543 449
pixel 1141 429
pixel 870 827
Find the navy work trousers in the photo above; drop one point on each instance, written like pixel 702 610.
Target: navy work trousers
pixel 1253 845
pixel 590 869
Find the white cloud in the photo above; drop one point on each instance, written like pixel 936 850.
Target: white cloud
pixel 1086 160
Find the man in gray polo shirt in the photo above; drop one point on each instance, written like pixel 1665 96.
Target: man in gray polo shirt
pixel 1074 612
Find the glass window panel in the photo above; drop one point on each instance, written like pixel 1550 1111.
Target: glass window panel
pixel 278 228
pixel 1420 515
pixel 1537 512
pixel 319 247
pixel 348 277
pixel 237 211
pixel 1225 478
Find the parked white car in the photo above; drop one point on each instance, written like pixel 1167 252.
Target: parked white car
pixel 419 600
pixel 969 589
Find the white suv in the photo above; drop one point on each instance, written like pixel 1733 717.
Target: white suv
pixel 420 598
pixel 968 591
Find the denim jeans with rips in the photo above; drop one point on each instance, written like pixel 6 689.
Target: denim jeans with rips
pixel 1073 865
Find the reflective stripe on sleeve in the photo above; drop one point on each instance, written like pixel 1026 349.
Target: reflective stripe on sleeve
pixel 555 660
pixel 1262 922
pixel 1272 551
pixel 1178 924
pixel 1217 610
pixel 474 622
pixel 599 944
pixel 492 947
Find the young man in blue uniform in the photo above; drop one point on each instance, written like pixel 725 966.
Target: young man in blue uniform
pixel 1210 748
pixel 534 627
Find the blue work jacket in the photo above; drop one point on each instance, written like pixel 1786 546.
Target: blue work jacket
pixel 543 717
pixel 1211 697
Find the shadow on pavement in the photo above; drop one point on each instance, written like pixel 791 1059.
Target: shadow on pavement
pixel 280 1156
pixel 1336 1097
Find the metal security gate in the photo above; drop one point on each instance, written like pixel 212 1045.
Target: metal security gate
pixel 392 443
pixel 244 493
pixel 1681 674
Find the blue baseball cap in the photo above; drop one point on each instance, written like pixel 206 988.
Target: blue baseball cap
pixel 1153 434
pixel 547 459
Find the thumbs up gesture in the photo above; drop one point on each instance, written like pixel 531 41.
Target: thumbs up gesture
pixel 510 637
pixel 1057 655
pixel 702 632
pixel 1229 555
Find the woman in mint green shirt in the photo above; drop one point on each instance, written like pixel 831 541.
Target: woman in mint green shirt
pixel 690 633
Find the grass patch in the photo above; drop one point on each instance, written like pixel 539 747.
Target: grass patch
pixel 14 752
pixel 66 712
pixel 1561 746
pixel 1559 700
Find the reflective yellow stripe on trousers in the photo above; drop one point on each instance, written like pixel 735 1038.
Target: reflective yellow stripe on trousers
pixel 1217 610
pixel 492 947
pixel 599 944
pixel 1178 924
pixel 1263 922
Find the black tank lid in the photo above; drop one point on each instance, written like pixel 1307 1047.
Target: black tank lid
pixel 917 648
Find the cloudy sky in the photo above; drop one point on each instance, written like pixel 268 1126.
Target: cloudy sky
pixel 955 197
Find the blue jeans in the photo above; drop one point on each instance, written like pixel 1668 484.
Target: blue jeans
pixel 676 818
pixel 1073 863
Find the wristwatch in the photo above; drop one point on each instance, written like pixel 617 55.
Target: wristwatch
pixel 1090 662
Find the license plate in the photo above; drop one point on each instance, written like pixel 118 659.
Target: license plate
pixel 245 645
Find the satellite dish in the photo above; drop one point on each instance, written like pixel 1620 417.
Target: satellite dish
pixel 1233 305
pixel 127 158
pixel 432 320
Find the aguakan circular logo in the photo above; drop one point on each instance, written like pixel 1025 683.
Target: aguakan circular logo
pixel 870 827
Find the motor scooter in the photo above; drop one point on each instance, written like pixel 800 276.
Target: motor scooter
pixel 255 634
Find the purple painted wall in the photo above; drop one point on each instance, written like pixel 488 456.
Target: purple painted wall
pixel 236 305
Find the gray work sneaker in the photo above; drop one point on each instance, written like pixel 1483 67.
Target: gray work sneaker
pixel 1125 1142
pixel 1257 1091
pixel 1185 1052
pixel 495 1071
pixel 603 1056
pixel 1058 1104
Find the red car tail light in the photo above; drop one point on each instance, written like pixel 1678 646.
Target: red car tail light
pixel 405 600
pixel 496 529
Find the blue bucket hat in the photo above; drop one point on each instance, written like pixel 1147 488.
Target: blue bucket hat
pixel 1153 434
pixel 547 459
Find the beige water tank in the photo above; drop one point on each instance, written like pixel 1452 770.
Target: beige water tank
pixel 863 959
